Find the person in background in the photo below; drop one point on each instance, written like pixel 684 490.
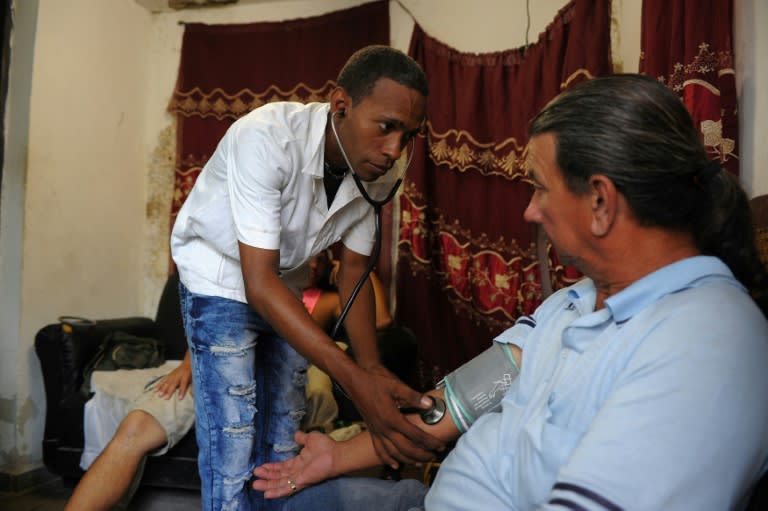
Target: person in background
pixel 159 407
pixel 641 386
pixel 159 416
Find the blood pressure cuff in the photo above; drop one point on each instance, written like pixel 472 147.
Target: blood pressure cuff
pixel 479 385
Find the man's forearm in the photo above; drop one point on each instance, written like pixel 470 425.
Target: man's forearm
pixel 358 452
pixel 361 329
pixel 360 322
pixel 271 298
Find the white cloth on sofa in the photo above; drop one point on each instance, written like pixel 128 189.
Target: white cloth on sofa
pixel 115 394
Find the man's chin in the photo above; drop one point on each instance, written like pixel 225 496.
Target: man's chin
pixel 370 172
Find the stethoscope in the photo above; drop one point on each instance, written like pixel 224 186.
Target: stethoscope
pixel 433 414
pixel 377 205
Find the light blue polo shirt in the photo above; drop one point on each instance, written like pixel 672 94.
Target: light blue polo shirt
pixel 657 401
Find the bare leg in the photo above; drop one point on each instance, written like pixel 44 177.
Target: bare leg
pixel 111 473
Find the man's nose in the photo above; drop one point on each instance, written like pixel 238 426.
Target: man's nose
pixel 530 212
pixel 393 146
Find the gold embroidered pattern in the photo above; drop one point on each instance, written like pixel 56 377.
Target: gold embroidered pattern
pixel 692 74
pixel 459 150
pixel 579 73
pixel 413 226
pixel 706 61
pixel 492 281
pixel 717 144
pixel 220 105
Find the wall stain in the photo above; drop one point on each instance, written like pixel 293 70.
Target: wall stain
pixel 27 413
pixel 160 181
pixel 8 410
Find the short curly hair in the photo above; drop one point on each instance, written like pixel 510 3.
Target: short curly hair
pixel 370 64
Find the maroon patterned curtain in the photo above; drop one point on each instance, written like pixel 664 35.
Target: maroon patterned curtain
pixel 467 264
pixel 688 45
pixel 228 70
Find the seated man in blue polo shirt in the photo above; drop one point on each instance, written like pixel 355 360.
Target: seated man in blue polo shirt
pixel 642 386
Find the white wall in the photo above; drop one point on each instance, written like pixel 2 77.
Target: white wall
pixel 17 410
pixel 84 199
pixel 751 48
pixel 88 235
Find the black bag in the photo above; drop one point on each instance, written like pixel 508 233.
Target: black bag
pixel 121 350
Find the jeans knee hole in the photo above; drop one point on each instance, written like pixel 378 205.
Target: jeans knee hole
pixel 300 378
pixel 297 415
pixel 243 391
pixel 239 430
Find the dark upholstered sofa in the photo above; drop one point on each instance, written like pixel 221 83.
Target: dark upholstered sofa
pixel 64 349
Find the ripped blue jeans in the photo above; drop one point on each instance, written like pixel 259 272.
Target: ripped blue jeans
pixel 249 398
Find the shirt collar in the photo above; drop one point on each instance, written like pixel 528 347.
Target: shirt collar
pixel 680 275
pixel 683 274
pixel 317 140
pixel 582 296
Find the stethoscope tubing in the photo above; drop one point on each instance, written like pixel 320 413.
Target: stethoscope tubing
pixel 377 205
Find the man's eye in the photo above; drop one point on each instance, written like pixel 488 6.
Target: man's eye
pixel 386 127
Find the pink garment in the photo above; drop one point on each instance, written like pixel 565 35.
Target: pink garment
pixel 310 297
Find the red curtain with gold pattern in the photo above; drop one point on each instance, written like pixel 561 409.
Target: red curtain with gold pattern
pixel 228 70
pixel 688 45
pixel 467 263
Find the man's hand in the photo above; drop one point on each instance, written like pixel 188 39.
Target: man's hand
pixel 378 398
pixel 314 463
pixel 180 378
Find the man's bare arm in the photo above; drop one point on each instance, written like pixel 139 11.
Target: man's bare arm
pixel 323 458
pixel 376 392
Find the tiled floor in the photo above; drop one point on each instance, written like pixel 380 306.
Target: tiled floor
pixel 53 495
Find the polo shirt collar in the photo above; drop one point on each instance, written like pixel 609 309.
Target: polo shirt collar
pixel 316 139
pixel 672 278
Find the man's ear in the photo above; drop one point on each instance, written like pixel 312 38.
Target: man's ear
pixel 339 100
pixel 604 203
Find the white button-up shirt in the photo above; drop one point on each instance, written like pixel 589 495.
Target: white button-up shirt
pixel 263 186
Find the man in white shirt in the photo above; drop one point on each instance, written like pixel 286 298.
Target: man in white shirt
pixel 277 191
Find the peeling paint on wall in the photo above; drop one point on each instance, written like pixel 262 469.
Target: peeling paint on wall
pixel 27 413
pixel 8 410
pixel 14 419
pixel 160 180
pixel 8 450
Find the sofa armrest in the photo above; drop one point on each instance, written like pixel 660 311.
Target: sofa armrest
pixel 85 337
pixel 65 348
